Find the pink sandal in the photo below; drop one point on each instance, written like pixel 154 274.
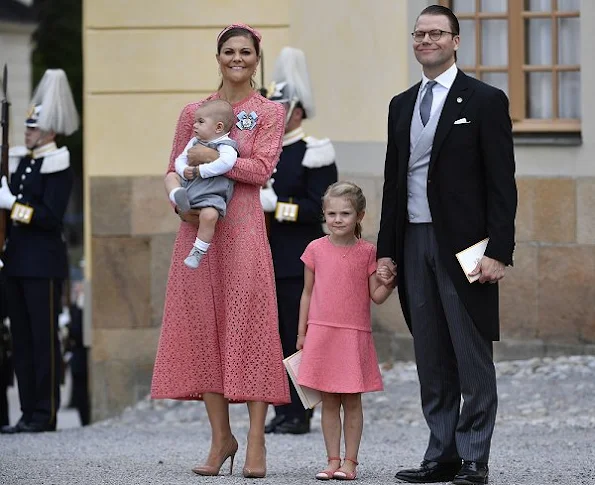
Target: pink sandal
pixel 341 475
pixel 328 474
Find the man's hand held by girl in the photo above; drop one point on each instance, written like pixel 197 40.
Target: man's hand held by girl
pixel 386 271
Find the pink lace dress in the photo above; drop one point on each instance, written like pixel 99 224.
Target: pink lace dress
pixel 220 331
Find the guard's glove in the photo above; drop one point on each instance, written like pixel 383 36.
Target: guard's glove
pixel 268 198
pixel 6 197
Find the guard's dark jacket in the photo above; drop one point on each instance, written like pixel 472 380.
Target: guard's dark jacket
pixel 305 187
pixel 38 249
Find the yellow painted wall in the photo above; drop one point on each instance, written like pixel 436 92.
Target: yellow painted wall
pixel 144 60
pixel 357 55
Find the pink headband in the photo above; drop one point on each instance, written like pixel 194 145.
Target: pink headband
pixel 254 32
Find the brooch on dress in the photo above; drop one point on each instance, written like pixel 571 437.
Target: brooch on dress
pixel 247 122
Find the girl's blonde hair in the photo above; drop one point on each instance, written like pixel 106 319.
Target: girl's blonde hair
pixel 351 192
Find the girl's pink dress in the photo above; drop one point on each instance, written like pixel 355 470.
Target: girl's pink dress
pixel 339 353
pixel 220 332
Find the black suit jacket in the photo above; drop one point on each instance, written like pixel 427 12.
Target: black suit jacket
pixel 471 188
pixel 38 249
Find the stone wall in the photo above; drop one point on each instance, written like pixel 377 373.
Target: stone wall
pixel 133 229
pixel 546 301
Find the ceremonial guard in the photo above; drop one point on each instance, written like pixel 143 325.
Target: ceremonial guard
pixel 294 200
pixel 35 259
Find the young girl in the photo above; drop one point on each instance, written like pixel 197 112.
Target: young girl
pixel 339 355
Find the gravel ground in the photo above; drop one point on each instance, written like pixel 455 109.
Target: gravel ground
pixel 545 434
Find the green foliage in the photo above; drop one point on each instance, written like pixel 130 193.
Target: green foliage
pixel 57 43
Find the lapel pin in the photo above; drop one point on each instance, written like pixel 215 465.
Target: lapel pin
pixel 459 100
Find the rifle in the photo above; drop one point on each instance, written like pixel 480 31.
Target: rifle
pixel 4 156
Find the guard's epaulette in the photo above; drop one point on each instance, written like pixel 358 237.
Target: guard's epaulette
pixel 55 161
pixel 319 153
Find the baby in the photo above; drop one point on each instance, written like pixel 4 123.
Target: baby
pixel 203 187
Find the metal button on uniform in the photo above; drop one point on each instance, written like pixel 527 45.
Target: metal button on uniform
pixel 21 187
pixel 429 181
pixel 32 162
pixel 23 177
pixel 19 196
pixel 28 170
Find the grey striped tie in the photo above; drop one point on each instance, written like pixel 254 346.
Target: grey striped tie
pixel 425 108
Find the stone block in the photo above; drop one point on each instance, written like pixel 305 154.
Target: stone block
pixel 151 212
pixel 585 199
pixel 524 215
pixel 136 346
pixel 161 251
pixel 121 282
pixel 518 295
pixel 566 313
pixel 554 210
pixel 110 206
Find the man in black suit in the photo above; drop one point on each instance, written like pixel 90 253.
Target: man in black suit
pixel 294 198
pixel 449 183
pixel 35 260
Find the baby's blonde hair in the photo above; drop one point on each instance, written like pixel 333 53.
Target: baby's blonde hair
pixel 351 192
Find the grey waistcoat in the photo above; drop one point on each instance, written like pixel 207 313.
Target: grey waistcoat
pixel 420 141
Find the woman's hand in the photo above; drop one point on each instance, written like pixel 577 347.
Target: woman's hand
pixel 300 342
pixel 191 217
pixel 199 154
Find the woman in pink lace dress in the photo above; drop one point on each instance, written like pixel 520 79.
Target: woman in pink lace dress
pixel 219 340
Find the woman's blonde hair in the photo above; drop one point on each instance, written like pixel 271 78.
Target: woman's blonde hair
pixel 351 192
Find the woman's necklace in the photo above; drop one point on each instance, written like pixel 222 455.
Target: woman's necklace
pixel 345 247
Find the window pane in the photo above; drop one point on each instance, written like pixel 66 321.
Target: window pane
pixel 494 42
pixel 498 79
pixel 494 5
pixel 463 6
pixel 569 41
pixel 539 97
pixel 539 41
pixel 466 52
pixel 569 96
pixel 569 5
pixel 538 5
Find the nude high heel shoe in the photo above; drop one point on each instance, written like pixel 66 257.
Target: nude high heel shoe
pixel 341 475
pixel 328 473
pixel 228 452
pixel 256 472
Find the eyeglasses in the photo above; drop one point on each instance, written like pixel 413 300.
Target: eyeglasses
pixel 420 35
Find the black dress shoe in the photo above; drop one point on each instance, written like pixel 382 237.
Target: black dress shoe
pixel 293 426
pixel 430 472
pixel 471 473
pixel 33 427
pixel 17 428
pixel 273 423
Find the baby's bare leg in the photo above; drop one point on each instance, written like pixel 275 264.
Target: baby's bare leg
pixel 208 221
pixel 206 229
pixel 172 181
pixel 177 194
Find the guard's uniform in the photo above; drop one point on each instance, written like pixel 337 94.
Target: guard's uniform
pixel 305 170
pixel 35 264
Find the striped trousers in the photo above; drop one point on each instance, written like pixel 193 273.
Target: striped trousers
pixel 454 361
